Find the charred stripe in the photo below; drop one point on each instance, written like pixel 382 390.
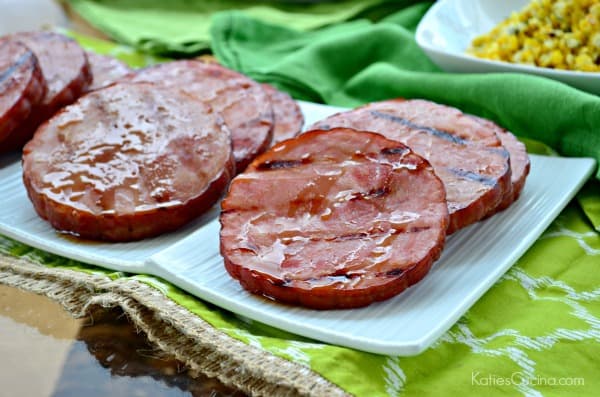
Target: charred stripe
pixel 473 176
pixel 433 131
pixel 8 72
pixel 371 194
pixel 279 164
pixel 395 150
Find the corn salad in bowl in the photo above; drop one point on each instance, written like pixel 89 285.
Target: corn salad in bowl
pixel 561 45
pixel 558 34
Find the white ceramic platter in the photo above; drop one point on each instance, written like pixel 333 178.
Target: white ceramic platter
pixel 473 260
pixel 449 26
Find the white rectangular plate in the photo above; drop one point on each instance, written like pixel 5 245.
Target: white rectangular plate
pixel 448 28
pixel 474 258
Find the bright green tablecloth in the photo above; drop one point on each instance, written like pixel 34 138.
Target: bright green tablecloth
pixel 537 330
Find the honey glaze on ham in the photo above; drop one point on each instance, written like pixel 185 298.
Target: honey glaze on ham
pixel 243 103
pixel 22 85
pixel 127 162
pixel 63 63
pixel 519 162
pixel 333 219
pixel 467 157
pixel 67 73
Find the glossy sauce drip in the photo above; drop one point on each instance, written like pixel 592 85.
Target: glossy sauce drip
pixel 339 213
pixel 242 102
pixel 121 150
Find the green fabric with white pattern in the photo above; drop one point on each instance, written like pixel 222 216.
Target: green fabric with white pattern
pixel 535 332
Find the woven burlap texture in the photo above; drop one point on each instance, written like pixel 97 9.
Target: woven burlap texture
pixel 171 328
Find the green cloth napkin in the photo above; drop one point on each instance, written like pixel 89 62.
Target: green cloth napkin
pixel 360 61
pixel 181 27
pixel 356 62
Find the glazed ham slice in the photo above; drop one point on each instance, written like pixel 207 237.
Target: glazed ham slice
pixel 333 219
pixel 467 157
pixel 127 162
pixel 287 115
pixel 67 74
pixel 519 162
pixel 243 103
pixel 22 86
pixel 105 70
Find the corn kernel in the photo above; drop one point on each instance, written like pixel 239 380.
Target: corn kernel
pixel 561 34
pixel 595 40
pixel 556 58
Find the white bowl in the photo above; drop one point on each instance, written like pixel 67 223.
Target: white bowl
pixel 26 15
pixel 448 28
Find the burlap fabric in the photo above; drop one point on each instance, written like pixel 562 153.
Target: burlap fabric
pixel 171 327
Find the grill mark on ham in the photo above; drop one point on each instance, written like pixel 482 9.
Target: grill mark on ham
pixel 371 194
pixel 392 150
pixel 8 72
pixel 433 131
pixel 519 162
pixel 358 236
pixel 499 150
pixel 346 237
pixel 67 75
pixel 473 176
pixel 22 88
pixel 394 272
pixel 280 164
pixel 362 221
pixel 335 279
pixel 468 156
